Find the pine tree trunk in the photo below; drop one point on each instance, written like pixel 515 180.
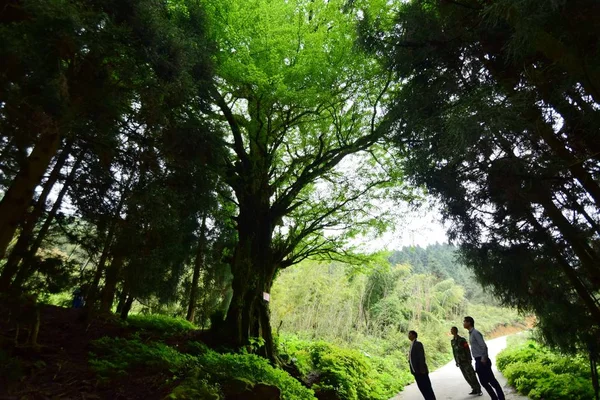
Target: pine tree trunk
pixel 110 284
pixel 198 263
pixel 54 211
pixel 93 291
pixel 19 251
pixel 17 198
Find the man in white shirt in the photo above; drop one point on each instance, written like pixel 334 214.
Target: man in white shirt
pixel 483 365
pixel 418 366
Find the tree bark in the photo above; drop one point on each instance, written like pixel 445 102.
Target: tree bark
pixel 253 271
pixel 110 284
pixel 20 249
pixel 126 307
pixel 13 206
pixel 26 270
pixel 94 287
pixel 198 263
pixel 54 211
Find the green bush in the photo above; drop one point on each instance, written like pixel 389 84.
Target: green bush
pixel 114 356
pixel 562 386
pixel 350 373
pixel 541 373
pixel 196 388
pixel 250 367
pixel 201 374
pixel 161 324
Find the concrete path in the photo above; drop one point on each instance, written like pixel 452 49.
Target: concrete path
pixel 449 384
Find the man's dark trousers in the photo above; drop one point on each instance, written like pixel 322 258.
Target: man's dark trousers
pixel 487 379
pixel 424 385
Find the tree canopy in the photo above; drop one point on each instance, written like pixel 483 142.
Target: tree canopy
pixel 498 117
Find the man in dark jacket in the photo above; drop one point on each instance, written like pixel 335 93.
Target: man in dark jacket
pixel 462 357
pixel 418 366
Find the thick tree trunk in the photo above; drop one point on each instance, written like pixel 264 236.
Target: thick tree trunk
pixel 13 206
pixel 110 284
pixel 20 249
pixel 198 263
pixel 253 271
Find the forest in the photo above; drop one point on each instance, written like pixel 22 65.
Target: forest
pixel 185 185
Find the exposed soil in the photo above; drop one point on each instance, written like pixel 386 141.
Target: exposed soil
pixel 58 368
pixel 504 330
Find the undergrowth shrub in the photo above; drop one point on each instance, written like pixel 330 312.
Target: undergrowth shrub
pixel 162 324
pixel 114 356
pixel 201 373
pixel 540 373
pixel 350 373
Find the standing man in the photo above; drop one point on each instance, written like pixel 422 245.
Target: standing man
pixel 418 367
pixel 483 365
pixel 462 357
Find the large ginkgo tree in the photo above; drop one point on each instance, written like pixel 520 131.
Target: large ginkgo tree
pixel 302 106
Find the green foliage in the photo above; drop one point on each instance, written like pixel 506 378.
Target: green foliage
pixel 161 324
pixel 325 301
pixel 441 260
pixel 540 373
pixel 196 388
pixel 350 373
pixel 493 117
pixel 223 367
pixel 201 372
pixel 112 357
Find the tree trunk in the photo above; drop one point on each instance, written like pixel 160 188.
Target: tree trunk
pixel 54 211
pixel 253 270
pixel 92 295
pixel 198 263
pixel 110 284
pixel 121 303
pixel 17 198
pixel 26 265
pixel 20 249
pixel 126 307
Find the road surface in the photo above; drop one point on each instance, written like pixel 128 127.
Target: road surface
pixel 449 384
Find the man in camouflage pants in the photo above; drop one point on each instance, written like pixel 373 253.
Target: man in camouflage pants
pixel 462 356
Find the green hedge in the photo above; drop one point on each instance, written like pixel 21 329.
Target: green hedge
pixel 539 373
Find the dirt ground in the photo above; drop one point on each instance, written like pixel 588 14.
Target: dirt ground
pixel 511 329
